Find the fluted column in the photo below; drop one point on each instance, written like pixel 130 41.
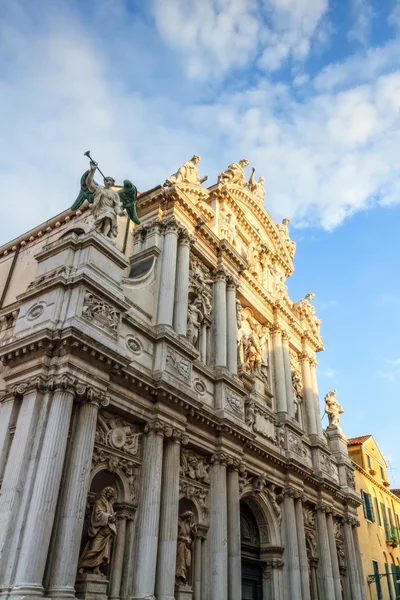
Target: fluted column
pixel 218 530
pixel 279 371
pixel 128 563
pixel 301 539
pixel 16 467
pixel 308 395
pixel 9 406
pixel 356 542
pixel 334 556
pixel 234 548
pixel 291 556
pixel 199 563
pixel 76 481
pixel 40 517
pixel 317 409
pixel 168 273
pixel 313 577
pixel 118 552
pixel 182 283
pixel 149 513
pixel 219 321
pixel 167 539
pixel 324 565
pixel 351 559
pixel 288 374
pixel 231 325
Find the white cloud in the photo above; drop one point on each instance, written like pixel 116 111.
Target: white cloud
pixel 363 14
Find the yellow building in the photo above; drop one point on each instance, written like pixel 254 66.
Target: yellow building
pixel 379 517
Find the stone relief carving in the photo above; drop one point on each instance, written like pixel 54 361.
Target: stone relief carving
pixel 256 187
pixel 258 419
pixel 35 311
pixel 280 290
pixel 310 531
pixel 227 226
pixel 177 365
pixel 256 256
pixel 234 174
pixel 191 492
pixel 101 314
pixel 297 393
pixel 307 312
pixel 134 345
pixel 297 446
pixel 260 484
pixel 328 466
pixel 200 301
pixel 284 233
pixel 195 319
pixel 333 409
pixel 235 402
pixel 199 386
pixel 194 466
pixel 253 345
pixel 187 173
pixel 311 542
pixel 308 517
pixel 350 478
pixel 96 555
pixel 186 534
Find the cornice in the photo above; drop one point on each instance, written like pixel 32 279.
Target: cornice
pixel 381 487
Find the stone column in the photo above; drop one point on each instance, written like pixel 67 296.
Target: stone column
pixel 198 560
pixel 234 548
pixel 356 543
pixel 324 565
pixel 218 530
pixel 73 499
pixel 167 539
pixel 182 283
pixel 308 395
pixel 168 274
pixel 334 557
pixel 122 514
pixel 149 513
pixel 288 374
pixel 231 325
pixel 127 569
pixel 314 384
pixel 291 556
pixel 9 406
pixel 42 508
pixel 219 324
pixel 314 583
pixel 301 539
pixel 17 463
pixel 351 559
pixel 203 342
pixel 279 371
pixel 206 568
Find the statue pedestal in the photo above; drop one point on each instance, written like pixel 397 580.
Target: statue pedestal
pixel 184 592
pixel 91 587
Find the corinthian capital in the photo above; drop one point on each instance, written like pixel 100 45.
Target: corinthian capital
pixel 219 274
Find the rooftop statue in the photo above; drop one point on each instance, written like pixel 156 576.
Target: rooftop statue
pixel 256 187
pixel 284 233
pixel 106 203
pixel 234 174
pixel 333 409
pixel 187 173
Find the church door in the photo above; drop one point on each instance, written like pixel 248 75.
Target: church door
pixel 251 564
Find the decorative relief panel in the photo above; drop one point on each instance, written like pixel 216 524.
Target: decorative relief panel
pixel 329 466
pixel 260 421
pixel 235 403
pixel 178 365
pixel 101 314
pixel 200 306
pixel 252 344
pixel 194 478
pixel 296 445
pixel 310 531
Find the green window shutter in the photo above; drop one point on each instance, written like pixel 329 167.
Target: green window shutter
pixel 378 514
pixel 369 509
pixel 385 521
pixel 364 504
pixel 389 582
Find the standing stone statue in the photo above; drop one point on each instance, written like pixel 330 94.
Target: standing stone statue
pixel 333 409
pixel 234 174
pixel 102 530
pixel 256 187
pixel 186 531
pixel 187 173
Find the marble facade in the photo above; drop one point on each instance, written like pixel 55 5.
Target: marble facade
pixel 174 368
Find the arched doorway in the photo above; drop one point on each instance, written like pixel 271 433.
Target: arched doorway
pixel 252 583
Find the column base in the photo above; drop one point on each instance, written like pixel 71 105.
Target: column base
pixel 144 598
pixel 61 593
pixel 91 587
pixel 33 590
pixel 184 593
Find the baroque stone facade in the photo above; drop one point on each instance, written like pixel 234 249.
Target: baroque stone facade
pixel 160 426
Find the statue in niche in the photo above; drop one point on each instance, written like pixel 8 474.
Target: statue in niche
pixel 186 533
pixel 333 409
pixel 256 187
pixel 187 173
pixel 195 318
pixel 284 233
pixel 280 289
pixel 297 398
pixel 102 530
pixel 249 413
pixel 234 174
pixel 227 226
pixel 252 355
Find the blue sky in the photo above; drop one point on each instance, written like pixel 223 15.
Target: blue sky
pixel 308 90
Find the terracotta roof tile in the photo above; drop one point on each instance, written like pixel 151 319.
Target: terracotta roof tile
pixel 358 440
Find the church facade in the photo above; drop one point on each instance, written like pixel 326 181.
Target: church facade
pixel 160 426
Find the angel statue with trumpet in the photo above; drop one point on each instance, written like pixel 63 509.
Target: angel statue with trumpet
pixel 106 204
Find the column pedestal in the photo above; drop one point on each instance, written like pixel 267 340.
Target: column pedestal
pixel 91 587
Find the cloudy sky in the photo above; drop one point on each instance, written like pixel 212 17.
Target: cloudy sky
pixel 308 90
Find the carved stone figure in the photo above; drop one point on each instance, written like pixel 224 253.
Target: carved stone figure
pixel 195 318
pixel 250 414
pixel 102 529
pixel 106 204
pixel 227 226
pixel 234 174
pixel 193 467
pixel 284 233
pixel 280 289
pixel 256 187
pixel 297 398
pixel 333 409
pixel 187 173
pixel 252 355
pixel 186 531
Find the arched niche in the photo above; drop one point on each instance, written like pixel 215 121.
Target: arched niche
pixel 267 516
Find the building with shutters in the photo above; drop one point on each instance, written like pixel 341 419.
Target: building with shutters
pixel 160 424
pixel 379 517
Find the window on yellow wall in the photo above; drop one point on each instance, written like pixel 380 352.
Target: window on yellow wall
pixel 367 506
pixel 382 472
pixel 369 461
pixel 378 514
pixel 385 521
